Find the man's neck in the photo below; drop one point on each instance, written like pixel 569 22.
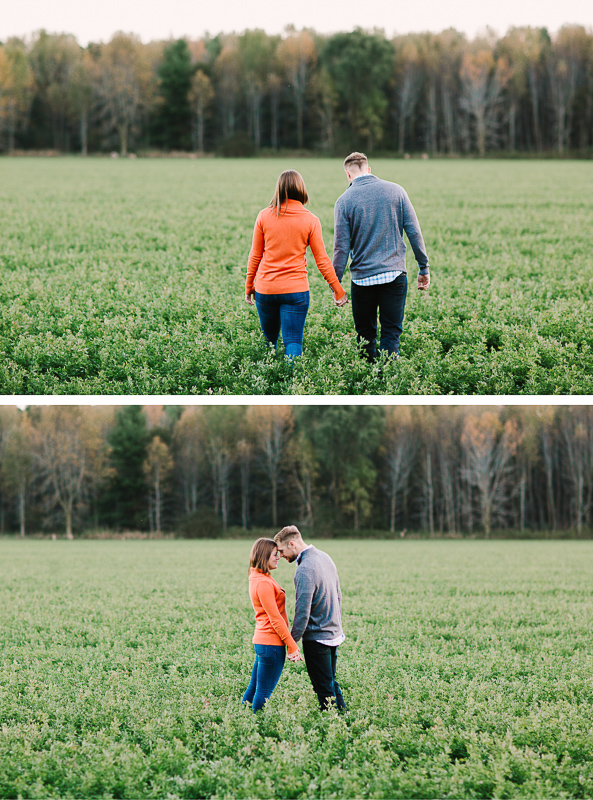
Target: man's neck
pixel 300 548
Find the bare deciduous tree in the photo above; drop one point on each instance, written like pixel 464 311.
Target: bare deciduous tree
pixel 489 445
pixel 123 78
pixel 16 88
pixel 157 468
pixel 482 81
pixel 408 79
pixel 400 445
pixel 66 441
pixel 201 95
pixel 271 426
pixel 189 449
pixel 296 55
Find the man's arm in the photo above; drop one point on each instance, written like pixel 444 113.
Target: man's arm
pixel 341 240
pixel 412 229
pixel 302 608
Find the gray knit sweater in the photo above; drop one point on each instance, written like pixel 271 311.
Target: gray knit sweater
pixel 369 221
pixel 317 613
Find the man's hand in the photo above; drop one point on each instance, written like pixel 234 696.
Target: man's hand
pixel 250 298
pixel 296 656
pixel 423 282
pixel 341 302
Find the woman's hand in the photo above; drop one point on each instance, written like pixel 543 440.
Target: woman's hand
pixel 341 302
pixel 250 298
pixel 296 656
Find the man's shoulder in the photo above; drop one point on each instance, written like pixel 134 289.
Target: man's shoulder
pixel 309 557
pixel 361 189
pixel 380 184
pixel 343 198
pixel 316 559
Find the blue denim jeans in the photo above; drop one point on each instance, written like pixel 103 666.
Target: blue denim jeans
pixel 287 312
pixel 269 661
pixel 390 300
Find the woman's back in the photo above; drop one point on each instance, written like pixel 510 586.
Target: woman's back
pixel 277 265
pixel 278 254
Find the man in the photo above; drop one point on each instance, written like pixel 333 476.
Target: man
pixel 370 218
pixel 317 614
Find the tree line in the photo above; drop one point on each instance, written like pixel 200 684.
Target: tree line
pixel 240 94
pixel 197 471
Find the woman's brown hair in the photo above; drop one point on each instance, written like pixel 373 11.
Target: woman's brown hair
pixel 290 186
pixel 260 554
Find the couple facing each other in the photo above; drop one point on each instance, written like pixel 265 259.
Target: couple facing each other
pixel 369 221
pixel 317 618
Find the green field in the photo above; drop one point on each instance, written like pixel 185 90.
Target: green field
pixel 127 277
pixel 467 668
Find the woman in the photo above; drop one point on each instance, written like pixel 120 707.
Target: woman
pixel 282 233
pixel 271 624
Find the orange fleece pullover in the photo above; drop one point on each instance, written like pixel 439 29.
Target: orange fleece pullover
pixel 278 252
pixel 269 603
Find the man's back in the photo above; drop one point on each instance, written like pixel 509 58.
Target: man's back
pixel 370 218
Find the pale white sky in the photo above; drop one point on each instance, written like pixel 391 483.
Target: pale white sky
pixel 162 19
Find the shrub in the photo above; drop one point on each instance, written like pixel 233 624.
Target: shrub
pixel 239 145
pixel 203 523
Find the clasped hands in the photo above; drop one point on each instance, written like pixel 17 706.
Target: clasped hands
pixel 341 302
pixel 296 656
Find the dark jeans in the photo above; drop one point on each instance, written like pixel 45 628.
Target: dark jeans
pixel 269 661
pixel 320 660
pixel 286 311
pixel 390 299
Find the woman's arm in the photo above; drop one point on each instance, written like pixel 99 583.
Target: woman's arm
pixel 267 597
pixel 324 264
pixel 255 255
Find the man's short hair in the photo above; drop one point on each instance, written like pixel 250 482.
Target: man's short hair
pixel 357 160
pixel 287 533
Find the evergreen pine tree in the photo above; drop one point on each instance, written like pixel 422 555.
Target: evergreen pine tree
pixel 173 123
pixel 124 500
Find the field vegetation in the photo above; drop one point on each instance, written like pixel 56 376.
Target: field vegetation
pixel 467 670
pixel 126 277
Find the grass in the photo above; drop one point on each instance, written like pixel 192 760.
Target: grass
pixel 126 277
pixel 467 669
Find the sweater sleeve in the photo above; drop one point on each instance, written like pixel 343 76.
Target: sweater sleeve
pixel 341 240
pixel 302 608
pixel 412 229
pixel 267 598
pixel 324 265
pixel 255 255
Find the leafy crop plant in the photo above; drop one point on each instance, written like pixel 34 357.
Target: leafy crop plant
pixel 467 670
pixel 127 277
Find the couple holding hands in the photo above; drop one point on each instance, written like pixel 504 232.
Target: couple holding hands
pixel 317 618
pixel 369 221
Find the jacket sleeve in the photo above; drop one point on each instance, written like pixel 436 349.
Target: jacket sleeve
pixel 255 255
pixel 412 229
pixel 324 265
pixel 341 240
pixel 302 608
pixel 267 598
